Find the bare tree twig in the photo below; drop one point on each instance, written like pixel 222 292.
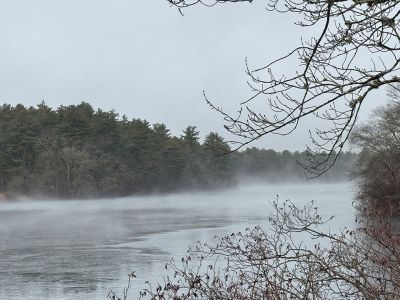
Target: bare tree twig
pixel 332 79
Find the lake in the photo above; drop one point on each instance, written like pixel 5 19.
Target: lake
pixel 80 249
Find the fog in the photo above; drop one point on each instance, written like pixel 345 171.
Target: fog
pixel 142 60
pixel 79 249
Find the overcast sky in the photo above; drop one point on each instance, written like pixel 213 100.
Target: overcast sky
pixel 142 58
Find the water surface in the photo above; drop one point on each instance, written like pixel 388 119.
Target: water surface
pixel 79 249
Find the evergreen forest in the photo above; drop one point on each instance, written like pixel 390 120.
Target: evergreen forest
pixel 76 151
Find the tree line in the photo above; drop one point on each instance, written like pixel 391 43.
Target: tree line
pixel 76 151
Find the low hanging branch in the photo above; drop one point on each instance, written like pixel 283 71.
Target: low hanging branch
pixel 356 52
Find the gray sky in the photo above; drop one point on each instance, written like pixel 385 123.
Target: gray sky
pixel 142 58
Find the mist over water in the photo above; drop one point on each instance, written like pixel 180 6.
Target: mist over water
pixel 79 249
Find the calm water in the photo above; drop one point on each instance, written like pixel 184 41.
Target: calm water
pixel 80 249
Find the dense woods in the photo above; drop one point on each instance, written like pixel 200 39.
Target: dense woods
pixel 377 170
pixel 75 151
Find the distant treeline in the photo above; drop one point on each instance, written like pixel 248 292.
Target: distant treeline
pixel 77 152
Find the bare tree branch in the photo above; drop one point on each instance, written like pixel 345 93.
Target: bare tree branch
pixel 332 78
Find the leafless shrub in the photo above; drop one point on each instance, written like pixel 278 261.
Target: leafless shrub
pixel 292 258
pixel 112 295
